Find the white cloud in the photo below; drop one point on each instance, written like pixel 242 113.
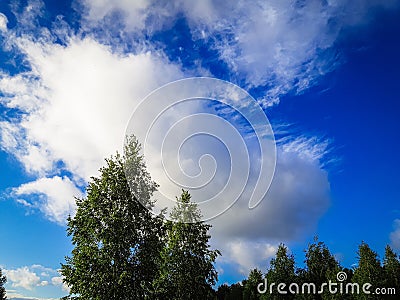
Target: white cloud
pixel 90 94
pixel 12 294
pixel 58 281
pixel 3 22
pixel 132 11
pixel 395 235
pixel 309 148
pixel 284 45
pixel 23 277
pixel 77 99
pixel 56 196
pixel 298 197
pixel 248 255
pixel 32 278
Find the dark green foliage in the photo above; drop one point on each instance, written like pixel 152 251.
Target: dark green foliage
pixel 223 291
pixel 232 292
pixel 391 271
pixel 281 270
pixel 369 270
pixel 250 286
pixel 3 280
pixel 187 270
pixel 117 242
pixel 319 263
pixel 321 266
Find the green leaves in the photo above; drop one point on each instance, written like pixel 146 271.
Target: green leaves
pixel 187 270
pixel 122 251
pixel 391 270
pixel 250 287
pixel 117 240
pixel 282 269
pixel 369 270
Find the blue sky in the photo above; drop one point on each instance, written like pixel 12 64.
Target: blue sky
pixel 326 75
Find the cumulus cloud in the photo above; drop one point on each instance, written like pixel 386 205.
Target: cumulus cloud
pixel 80 104
pixel 24 277
pixel 31 277
pixel 395 235
pixel 12 294
pixel 58 281
pixel 298 197
pixel 77 98
pixel 248 255
pixel 76 101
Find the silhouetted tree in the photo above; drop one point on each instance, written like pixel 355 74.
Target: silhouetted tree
pixel 3 280
pixel 223 291
pixel 236 292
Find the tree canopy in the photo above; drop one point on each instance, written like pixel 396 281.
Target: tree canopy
pixel 320 268
pixel 123 251
pixel 117 241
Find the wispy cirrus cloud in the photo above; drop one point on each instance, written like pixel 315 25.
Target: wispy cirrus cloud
pixel 284 46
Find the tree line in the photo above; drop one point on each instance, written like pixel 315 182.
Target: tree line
pixel 122 251
pixel 322 277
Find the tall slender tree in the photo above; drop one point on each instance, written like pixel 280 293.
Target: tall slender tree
pixel 391 270
pixel 321 266
pixel 281 270
pixel 117 241
pixel 187 270
pixel 368 270
pixel 250 287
